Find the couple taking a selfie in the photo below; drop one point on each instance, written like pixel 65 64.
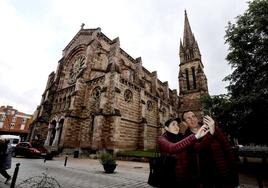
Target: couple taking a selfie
pixel 203 156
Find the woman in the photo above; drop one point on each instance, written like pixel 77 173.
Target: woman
pixel 5 158
pixel 172 144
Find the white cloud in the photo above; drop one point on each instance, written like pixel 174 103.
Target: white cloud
pixel 33 36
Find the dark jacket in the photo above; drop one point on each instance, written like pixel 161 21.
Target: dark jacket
pixel 178 150
pixel 6 157
pixel 213 160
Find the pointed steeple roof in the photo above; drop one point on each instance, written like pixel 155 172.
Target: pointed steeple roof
pixel 188 37
pixel 181 47
pixel 189 49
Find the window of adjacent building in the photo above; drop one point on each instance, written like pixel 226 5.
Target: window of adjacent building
pixel 14 119
pixel 11 125
pixel 24 120
pixel 2 117
pixel 1 125
pixel 22 126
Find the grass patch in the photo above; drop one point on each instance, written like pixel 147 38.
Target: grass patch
pixel 137 153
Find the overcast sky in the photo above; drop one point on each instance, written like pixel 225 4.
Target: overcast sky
pixel 34 33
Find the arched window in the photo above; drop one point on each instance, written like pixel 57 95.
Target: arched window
pixel 60 131
pixel 187 79
pixel 53 132
pixel 194 78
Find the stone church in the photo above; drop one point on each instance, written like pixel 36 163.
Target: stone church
pixel 102 98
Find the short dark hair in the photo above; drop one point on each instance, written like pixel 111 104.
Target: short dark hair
pixel 167 123
pixel 184 112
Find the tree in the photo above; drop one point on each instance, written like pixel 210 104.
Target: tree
pixel 221 109
pixel 248 56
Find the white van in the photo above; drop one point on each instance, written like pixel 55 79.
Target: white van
pixel 14 139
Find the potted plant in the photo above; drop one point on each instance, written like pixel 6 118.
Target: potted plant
pixel 108 161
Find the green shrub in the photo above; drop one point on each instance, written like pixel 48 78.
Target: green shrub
pixel 106 158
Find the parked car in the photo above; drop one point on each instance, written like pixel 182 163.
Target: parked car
pixel 30 149
pixel 14 139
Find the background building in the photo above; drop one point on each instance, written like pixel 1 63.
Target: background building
pixel 14 122
pixel 102 98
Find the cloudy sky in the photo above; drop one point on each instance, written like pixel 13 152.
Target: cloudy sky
pixel 34 33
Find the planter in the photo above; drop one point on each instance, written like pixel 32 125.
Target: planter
pixel 109 168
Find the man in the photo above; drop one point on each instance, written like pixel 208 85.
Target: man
pixel 212 160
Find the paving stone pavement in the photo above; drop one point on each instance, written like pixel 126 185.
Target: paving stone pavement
pixel 80 173
pixel 88 173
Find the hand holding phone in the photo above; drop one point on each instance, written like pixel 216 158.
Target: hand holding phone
pixel 202 131
pixel 206 112
pixel 209 122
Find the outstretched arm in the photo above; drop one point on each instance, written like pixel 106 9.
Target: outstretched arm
pixel 172 148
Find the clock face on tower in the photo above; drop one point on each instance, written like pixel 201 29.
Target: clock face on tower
pixel 77 68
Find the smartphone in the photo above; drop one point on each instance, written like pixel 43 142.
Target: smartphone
pixel 207 112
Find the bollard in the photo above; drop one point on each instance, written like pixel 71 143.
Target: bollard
pixel 15 174
pixel 66 157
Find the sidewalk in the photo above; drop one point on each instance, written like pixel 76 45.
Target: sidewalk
pixel 87 173
pixel 80 173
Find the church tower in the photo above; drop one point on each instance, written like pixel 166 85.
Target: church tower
pixel 192 79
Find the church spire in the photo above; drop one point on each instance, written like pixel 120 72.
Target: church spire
pixel 188 37
pixel 192 79
pixel 189 49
